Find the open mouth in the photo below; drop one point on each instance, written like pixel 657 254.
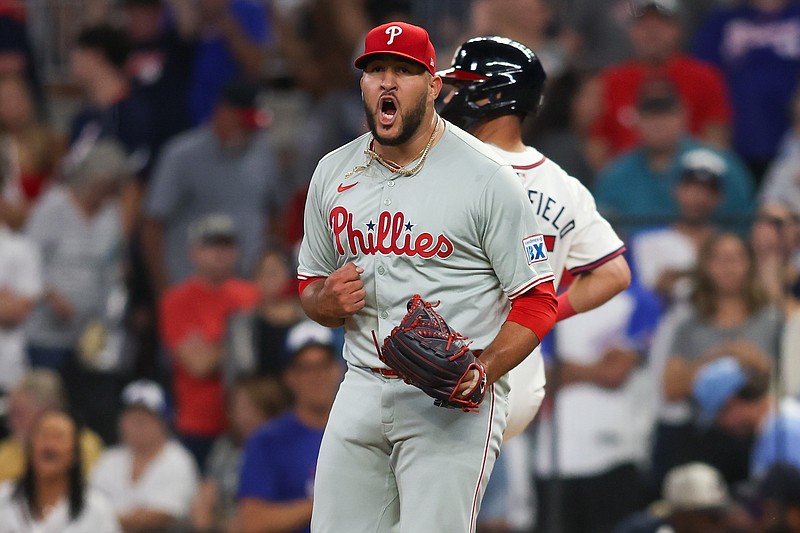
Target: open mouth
pixel 388 110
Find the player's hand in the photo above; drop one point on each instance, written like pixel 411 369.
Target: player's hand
pixel 468 385
pixel 343 293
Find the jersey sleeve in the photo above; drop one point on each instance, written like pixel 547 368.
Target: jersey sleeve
pixel 511 236
pixel 595 241
pixel 316 257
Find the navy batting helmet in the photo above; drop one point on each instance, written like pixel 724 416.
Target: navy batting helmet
pixel 493 76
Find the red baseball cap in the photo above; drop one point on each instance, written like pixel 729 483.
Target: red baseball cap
pixel 400 39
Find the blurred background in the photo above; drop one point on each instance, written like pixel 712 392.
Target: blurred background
pixel 155 156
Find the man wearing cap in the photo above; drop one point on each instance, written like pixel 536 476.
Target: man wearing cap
pixel 149 479
pixel 194 322
pixel 641 181
pixel 416 205
pixel 736 397
pixel 655 30
pixel 277 476
pixel 225 166
pixel 695 500
pixel 664 257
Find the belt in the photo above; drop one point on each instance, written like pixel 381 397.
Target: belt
pixel 386 372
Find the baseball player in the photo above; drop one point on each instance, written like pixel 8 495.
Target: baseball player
pixel 416 206
pixel 497 83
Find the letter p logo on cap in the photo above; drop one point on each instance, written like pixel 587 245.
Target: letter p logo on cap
pixel 392 32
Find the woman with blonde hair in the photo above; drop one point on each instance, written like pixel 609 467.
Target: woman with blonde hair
pixel 729 314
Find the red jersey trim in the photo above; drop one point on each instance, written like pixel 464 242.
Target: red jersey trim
pixel 305 282
pixel 532 283
pixel 528 167
pixel 598 262
pixel 476 494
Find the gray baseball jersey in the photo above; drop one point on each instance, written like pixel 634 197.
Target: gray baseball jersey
pixel 453 232
pixel 460 231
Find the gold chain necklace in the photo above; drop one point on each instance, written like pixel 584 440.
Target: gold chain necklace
pixel 391 165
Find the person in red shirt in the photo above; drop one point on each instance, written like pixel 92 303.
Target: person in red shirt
pixel 656 33
pixel 193 322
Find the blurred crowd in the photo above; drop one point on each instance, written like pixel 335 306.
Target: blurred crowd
pixel 157 372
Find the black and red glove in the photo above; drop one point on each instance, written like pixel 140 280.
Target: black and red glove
pixel 428 354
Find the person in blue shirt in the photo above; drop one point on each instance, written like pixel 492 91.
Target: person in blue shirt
pixel 756 44
pixel 736 397
pixel 277 475
pixel 640 183
pixel 233 36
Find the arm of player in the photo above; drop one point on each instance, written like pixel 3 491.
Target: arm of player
pixel 332 299
pixel 594 288
pixel 260 516
pixel 532 316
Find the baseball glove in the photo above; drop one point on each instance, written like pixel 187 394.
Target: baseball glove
pixel 428 354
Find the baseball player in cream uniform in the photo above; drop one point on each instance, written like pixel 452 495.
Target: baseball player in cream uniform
pixel 497 82
pixel 416 206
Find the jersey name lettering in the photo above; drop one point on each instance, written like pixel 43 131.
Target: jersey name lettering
pixel 393 236
pixel 548 209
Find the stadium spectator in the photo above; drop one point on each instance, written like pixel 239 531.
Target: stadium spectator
pixel 755 45
pixel 77 227
pixel 730 315
pixel 664 258
pixel 111 110
pixel 253 401
pixel 16 54
pixel 640 182
pixel 194 321
pixel 160 60
pixel 232 39
pixel 656 33
pixel 257 340
pixel 782 180
pixel 149 479
pixel 530 22
pixel 52 494
pixel 596 32
pixel 602 415
pixel 277 477
pixel 20 289
pixel 571 104
pixel 777 504
pixel 736 396
pixel 775 238
pixel 30 148
pixel 225 167
pixel 37 392
pixel 695 500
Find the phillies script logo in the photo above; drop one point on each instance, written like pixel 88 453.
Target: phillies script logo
pixel 391 235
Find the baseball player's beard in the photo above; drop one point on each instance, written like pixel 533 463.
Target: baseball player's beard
pixel 410 123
